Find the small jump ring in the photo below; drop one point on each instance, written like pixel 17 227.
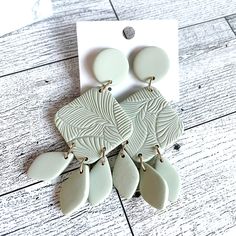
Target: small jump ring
pixel 123 148
pixel 141 161
pixel 158 154
pixel 103 155
pixel 81 164
pixel 104 86
pixel 150 83
pixel 71 146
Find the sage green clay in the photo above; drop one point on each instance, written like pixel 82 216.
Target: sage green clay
pixel 111 64
pixel 74 191
pixel 48 166
pixel 151 61
pixel 153 187
pixel 154 123
pixel 93 121
pixel 125 176
pixel 100 182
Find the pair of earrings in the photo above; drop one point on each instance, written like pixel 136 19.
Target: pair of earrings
pixel 95 123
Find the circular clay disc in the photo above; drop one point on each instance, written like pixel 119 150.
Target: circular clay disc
pixel 149 62
pixel 110 64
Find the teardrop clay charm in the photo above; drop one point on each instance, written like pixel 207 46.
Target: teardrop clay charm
pixel 153 187
pixel 48 166
pixel 74 191
pixel 168 172
pixel 100 182
pixel 125 175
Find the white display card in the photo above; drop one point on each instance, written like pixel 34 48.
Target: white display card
pixel 93 36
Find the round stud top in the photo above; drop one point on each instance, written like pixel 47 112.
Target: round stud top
pixel 110 64
pixel 151 62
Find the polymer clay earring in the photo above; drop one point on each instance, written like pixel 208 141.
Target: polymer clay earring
pixel 92 125
pixel 155 124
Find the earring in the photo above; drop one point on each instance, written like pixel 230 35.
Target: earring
pixel 155 126
pixel 92 125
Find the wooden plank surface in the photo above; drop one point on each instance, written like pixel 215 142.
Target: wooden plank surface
pixel 232 22
pixel 207 72
pixel 207 204
pixel 29 100
pixel 35 211
pixel 186 12
pixel 52 39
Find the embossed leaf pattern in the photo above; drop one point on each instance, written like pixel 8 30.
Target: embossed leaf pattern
pixel 92 121
pixel 168 127
pixel 154 123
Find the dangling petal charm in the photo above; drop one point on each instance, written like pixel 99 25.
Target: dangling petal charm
pixel 74 191
pixel 125 175
pixel 100 182
pixel 48 166
pixel 153 187
pixel 168 172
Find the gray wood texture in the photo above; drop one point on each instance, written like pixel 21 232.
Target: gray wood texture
pixel 50 40
pixel 39 74
pixel 186 12
pixel 207 71
pixel 232 22
pixel 207 203
pixel 35 210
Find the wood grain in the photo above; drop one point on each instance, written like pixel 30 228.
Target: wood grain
pixel 186 12
pixel 232 21
pixel 207 72
pixel 207 204
pixel 52 39
pixel 203 38
pixel 35 211
pixel 29 100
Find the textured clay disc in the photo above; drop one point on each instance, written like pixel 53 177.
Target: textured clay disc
pixel 110 64
pixel 151 61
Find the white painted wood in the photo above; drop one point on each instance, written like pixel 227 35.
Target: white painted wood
pixel 35 211
pixel 52 39
pixel 232 21
pixel 207 203
pixel 186 12
pixel 203 38
pixel 29 100
pixel 207 66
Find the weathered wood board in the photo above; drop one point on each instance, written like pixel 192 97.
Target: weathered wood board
pixel 50 40
pixel 207 203
pixel 35 210
pixel 186 12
